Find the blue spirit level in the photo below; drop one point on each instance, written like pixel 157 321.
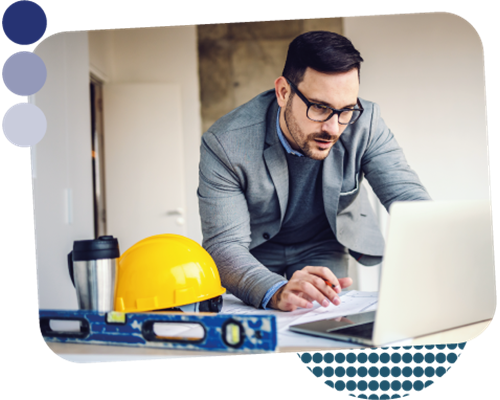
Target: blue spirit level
pixel 216 332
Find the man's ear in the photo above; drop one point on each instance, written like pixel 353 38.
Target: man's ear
pixel 283 90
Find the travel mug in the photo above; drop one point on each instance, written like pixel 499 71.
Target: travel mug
pixel 92 267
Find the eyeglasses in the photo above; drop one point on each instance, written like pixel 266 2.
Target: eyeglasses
pixel 321 113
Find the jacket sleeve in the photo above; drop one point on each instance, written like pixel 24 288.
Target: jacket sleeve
pixel 225 221
pixel 385 166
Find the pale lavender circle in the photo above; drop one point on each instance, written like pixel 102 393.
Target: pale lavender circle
pixel 24 124
pixel 24 73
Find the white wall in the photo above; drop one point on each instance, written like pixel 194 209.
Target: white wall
pixel 62 164
pixel 426 73
pixel 62 160
pixel 159 55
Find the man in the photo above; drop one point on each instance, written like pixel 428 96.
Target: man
pixel 280 189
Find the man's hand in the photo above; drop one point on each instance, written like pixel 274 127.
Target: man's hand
pixel 308 285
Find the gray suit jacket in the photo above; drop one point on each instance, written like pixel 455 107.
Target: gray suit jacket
pixel 243 189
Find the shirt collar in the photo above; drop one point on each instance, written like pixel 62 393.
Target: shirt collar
pixel 283 139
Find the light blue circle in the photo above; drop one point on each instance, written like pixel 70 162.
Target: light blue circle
pixel 24 73
pixel 24 124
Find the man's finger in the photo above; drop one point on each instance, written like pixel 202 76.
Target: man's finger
pixel 324 273
pixel 305 283
pixel 290 301
pixel 345 282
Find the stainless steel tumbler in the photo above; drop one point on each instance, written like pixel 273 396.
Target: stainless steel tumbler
pixel 92 267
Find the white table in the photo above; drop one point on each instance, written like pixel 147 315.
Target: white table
pixel 97 353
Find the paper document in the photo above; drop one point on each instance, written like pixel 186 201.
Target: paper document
pixel 352 302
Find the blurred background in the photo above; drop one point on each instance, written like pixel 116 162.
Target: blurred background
pixel 126 110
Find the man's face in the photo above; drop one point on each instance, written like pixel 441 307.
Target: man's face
pixel 337 90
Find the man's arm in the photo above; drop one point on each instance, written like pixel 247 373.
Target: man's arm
pixel 386 168
pixel 226 226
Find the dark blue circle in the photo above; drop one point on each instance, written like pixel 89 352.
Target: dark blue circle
pixel 362 385
pixel 24 22
pixel 418 385
pixel 428 383
pixel 407 385
pixel 418 357
pixel 340 358
pixel 418 371
pixel 441 346
pixel 396 372
pixel 429 371
pixel 329 383
pixel 317 358
pixel 440 371
pixel 384 385
pixel 340 385
pixel 351 372
pixel 396 385
pixel 373 372
pixel 373 358
pixel 395 348
pixel 440 358
pixel 362 371
pixel 384 357
pixel 351 385
pixel 395 396
pixel 429 358
pixel 340 372
pixel 362 357
pixel 395 358
pixel 328 372
pixel 407 357
pixel 328 358
pixel 373 397
pixel 452 346
pixel 373 385
pixel 351 358
pixel 462 345
pixel 384 348
pixel 305 358
pixel 418 347
pixel 429 346
pixel 451 357
pixel 383 372
pixel 362 396
pixel 407 347
pixel 407 372
pixel 384 397
pixel 318 371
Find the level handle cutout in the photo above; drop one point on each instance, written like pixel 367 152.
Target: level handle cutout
pixel 173 331
pixel 64 327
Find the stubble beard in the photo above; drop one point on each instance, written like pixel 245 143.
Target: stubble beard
pixel 296 134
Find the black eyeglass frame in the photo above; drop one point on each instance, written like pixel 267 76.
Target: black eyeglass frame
pixel 334 110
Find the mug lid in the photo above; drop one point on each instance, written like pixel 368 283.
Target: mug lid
pixel 97 249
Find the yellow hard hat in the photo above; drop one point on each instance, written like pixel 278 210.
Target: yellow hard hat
pixel 165 271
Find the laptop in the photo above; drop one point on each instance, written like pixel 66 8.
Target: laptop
pixel 437 274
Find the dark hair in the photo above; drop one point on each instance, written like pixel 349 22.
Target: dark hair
pixel 322 51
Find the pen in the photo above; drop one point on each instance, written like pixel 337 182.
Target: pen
pixel 329 284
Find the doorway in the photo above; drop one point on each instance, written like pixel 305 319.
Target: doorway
pixel 97 142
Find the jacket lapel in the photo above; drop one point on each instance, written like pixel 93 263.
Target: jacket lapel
pixel 333 172
pixel 275 159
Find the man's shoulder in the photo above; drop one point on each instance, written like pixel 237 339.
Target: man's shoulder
pixel 364 124
pixel 251 116
pixel 368 106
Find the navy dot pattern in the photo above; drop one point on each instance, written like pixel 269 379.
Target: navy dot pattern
pixel 385 372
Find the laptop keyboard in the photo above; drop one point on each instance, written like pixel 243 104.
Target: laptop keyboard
pixel 364 330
